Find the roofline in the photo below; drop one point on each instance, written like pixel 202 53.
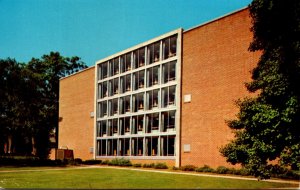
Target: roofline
pixel 77 72
pixel 145 43
pixel 215 19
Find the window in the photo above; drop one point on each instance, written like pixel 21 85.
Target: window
pixel 138 80
pixel 152 99
pixel 122 150
pixel 127 125
pixel 113 107
pixel 114 147
pixel 138 102
pixel 169 47
pixel 137 146
pixel 134 146
pixel 167 146
pixel 154 52
pixel 139 58
pixel 152 76
pixel 115 66
pixel 102 90
pixel 168 72
pixel 121 126
pixel 126 62
pixel 122 84
pixel 113 86
pixel 137 124
pixel 134 125
pixel 168 121
pixel 127 104
pixel 103 69
pixel 127 148
pixel 151 145
pixel 101 128
pixel 102 147
pixel 116 85
pixel 115 126
pixel 152 122
pixel 102 111
pixel 109 128
pixel 128 83
pixel 168 96
pixel 140 123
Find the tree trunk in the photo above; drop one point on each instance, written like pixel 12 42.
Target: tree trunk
pixel 9 143
pixel 33 146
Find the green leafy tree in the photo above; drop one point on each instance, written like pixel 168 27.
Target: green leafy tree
pixel 29 102
pixel 267 126
pixel 10 83
pixel 46 74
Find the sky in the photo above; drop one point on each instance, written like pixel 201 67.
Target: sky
pixel 95 29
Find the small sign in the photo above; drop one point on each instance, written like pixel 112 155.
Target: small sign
pixel 186 148
pixel 92 114
pixel 91 150
pixel 187 98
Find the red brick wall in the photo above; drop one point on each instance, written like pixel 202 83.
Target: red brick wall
pixel 76 101
pixel 216 65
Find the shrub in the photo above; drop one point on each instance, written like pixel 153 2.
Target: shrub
pixel 77 161
pixel 152 165
pixel 137 165
pixel 160 166
pixel 221 170
pixel 231 171
pixel 175 168
pixel 244 172
pixel 29 161
pixel 105 162
pixel 92 162
pixel 290 174
pixel 282 172
pixel 120 162
pixel 205 168
pixel 188 168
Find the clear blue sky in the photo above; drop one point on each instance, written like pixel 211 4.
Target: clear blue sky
pixel 95 29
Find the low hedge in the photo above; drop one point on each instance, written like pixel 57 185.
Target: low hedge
pixel 120 162
pixel 160 166
pixel 91 162
pixel 30 161
pixel 188 168
pixel 137 165
pixel 205 168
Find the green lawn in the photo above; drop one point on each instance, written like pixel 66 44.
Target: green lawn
pixel 115 178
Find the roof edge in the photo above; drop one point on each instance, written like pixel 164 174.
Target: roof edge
pixel 215 19
pixel 77 72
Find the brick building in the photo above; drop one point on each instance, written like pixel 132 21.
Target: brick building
pixel 164 100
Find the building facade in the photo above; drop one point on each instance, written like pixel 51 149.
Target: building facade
pixel 165 100
pixel 138 100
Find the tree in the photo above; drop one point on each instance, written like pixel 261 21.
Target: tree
pixel 10 84
pixel 266 128
pixel 29 102
pixel 46 73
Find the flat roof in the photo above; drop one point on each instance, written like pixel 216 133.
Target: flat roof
pixel 154 39
pixel 77 72
pixel 215 19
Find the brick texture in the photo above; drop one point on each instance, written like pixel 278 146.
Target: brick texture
pixel 216 64
pixel 76 102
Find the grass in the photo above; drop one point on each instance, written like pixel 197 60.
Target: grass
pixel 122 179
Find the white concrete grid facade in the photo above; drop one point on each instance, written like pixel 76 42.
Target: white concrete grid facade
pixel 137 101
